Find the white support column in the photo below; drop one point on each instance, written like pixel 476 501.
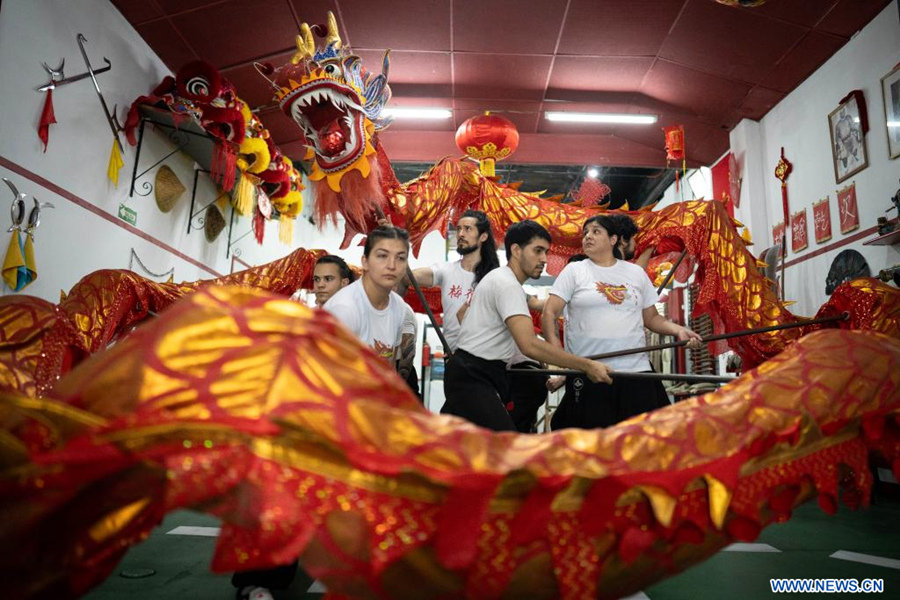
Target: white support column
pixel 747 145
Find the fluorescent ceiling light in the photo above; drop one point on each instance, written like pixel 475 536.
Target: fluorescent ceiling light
pixel 893 123
pixel 576 117
pixel 418 113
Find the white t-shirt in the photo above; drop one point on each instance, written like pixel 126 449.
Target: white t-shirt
pixel 484 333
pixel 381 330
pixel 605 310
pixel 457 286
pixel 410 325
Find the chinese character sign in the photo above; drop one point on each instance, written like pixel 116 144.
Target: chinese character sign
pixel 847 211
pixel 721 188
pixel 799 240
pixel 822 220
pixel 777 234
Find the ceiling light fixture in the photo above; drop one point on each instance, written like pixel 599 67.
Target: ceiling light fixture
pixel 593 172
pixel 576 117
pixel 418 113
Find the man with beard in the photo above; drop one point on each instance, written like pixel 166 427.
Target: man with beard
pixel 496 327
pixel 457 280
pixel 626 229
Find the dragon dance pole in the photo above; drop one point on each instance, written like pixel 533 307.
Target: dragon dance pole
pixel 671 273
pixel 437 328
pixel 783 259
pixel 723 336
pixel 415 284
pixel 629 375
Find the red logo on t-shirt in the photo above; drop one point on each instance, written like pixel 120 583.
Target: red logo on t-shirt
pixel 455 291
pixel 383 350
pixel 614 293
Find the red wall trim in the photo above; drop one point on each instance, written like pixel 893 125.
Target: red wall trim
pixel 853 238
pixel 34 177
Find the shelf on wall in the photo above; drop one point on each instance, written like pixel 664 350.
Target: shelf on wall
pixel 189 137
pixel 886 239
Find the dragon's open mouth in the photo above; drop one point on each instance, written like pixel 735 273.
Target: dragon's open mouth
pixel 332 120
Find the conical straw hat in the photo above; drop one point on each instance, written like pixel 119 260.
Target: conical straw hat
pixel 213 222
pixel 168 189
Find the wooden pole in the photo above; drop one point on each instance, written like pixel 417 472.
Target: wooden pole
pixel 722 336
pixel 671 272
pixel 415 284
pixel 630 375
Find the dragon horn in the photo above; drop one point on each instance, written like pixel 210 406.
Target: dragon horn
pixel 333 36
pixel 306 46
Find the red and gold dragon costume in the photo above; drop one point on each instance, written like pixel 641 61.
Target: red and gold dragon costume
pixel 239 403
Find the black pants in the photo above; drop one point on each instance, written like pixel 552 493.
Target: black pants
pixel 278 578
pixel 412 380
pixel 477 390
pixel 527 393
pixel 591 405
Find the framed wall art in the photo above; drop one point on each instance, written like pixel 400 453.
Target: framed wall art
pixel 848 140
pixel 890 89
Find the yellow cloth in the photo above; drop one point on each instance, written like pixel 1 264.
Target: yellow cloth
pixel 19 268
pixel 30 265
pixel 286 230
pixel 244 195
pixel 115 163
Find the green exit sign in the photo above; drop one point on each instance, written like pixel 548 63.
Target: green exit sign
pixel 127 214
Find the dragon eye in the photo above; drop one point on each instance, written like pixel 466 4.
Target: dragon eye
pixel 333 70
pixel 198 86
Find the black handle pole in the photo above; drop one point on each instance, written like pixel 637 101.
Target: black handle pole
pixel 723 336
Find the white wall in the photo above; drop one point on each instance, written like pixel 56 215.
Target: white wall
pixel 800 124
pixel 747 147
pixel 696 184
pixel 72 241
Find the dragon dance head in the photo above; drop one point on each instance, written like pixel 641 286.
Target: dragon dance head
pixel 335 101
pixel 221 112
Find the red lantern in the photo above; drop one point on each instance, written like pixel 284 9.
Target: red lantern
pixel 487 138
pixel 675 148
pixel 674 142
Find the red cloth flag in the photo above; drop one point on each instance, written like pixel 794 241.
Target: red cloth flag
pixel 721 182
pixel 822 220
pixel 849 215
pixel 47 119
pixel 799 237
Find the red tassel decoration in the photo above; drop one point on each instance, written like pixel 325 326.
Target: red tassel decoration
pixel 259 226
pixel 47 119
pixel 224 163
